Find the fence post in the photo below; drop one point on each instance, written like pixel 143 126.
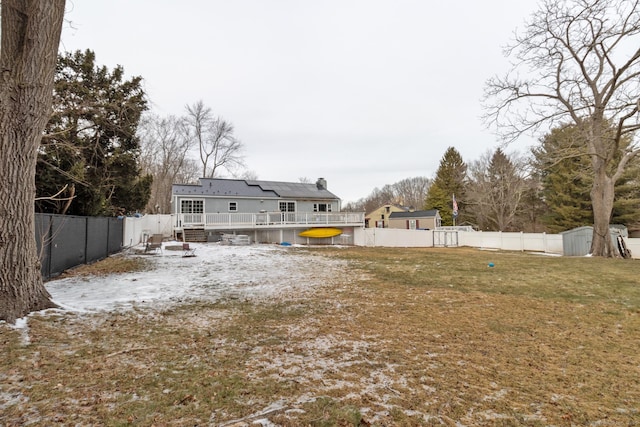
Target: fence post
pixel 106 252
pixel 86 240
pixel 45 242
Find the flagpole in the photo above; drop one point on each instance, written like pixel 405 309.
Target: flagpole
pixel 454 208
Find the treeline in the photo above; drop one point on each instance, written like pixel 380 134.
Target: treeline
pixel 546 190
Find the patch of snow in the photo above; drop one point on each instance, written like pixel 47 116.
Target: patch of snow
pixel 544 253
pixel 10 399
pixel 217 271
pixel 497 395
pixel 22 325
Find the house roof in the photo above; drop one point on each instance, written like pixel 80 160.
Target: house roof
pixel 415 214
pixel 390 206
pixel 220 187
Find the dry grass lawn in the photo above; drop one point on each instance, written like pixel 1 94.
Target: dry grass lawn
pixel 400 337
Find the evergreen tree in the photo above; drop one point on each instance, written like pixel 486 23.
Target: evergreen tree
pixel 450 180
pixel 88 160
pixel 567 179
pixel 626 206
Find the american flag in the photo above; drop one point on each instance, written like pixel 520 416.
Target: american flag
pixel 455 206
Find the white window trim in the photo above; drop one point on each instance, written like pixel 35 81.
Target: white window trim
pixel 295 205
pixel 328 207
pixel 191 200
pixel 235 207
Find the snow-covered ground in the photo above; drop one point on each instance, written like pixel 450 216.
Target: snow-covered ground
pixel 216 271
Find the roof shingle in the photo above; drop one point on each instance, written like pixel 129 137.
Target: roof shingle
pixel 252 188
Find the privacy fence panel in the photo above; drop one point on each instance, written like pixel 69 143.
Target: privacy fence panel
pixel 43 224
pixel 67 241
pixel 97 244
pixel 115 235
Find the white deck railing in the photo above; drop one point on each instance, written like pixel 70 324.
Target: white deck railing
pixel 268 219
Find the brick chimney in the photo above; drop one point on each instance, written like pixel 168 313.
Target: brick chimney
pixel 321 183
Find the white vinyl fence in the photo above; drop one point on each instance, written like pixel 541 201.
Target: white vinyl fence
pixel 633 244
pixel 136 230
pixel 389 237
pixel 392 237
pixel 518 241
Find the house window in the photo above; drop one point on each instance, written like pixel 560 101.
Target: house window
pixel 287 206
pixel 191 206
pixel 233 206
pixel 322 207
pixel 412 224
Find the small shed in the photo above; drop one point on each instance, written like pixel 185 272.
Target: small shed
pixel 577 241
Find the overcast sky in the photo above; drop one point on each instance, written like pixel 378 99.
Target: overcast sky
pixel 361 92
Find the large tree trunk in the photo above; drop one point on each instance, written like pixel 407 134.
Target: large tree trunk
pixel 30 38
pixel 602 196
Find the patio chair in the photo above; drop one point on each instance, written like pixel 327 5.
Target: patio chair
pixel 154 244
pixel 188 251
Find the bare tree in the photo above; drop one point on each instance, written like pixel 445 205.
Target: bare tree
pixel 165 145
pixel 412 192
pixel 577 62
pixel 377 198
pixel 249 175
pixel 218 147
pixel 496 188
pixel 29 44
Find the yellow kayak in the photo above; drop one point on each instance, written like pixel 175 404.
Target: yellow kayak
pixel 321 232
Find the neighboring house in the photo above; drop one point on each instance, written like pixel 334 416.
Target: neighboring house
pixel 267 211
pixel 415 220
pixel 379 218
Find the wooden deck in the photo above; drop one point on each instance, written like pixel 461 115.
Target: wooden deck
pixel 267 220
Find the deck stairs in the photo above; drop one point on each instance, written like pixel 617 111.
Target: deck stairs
pixel 194 235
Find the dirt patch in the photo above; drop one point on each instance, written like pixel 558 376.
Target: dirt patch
pixel 115 264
